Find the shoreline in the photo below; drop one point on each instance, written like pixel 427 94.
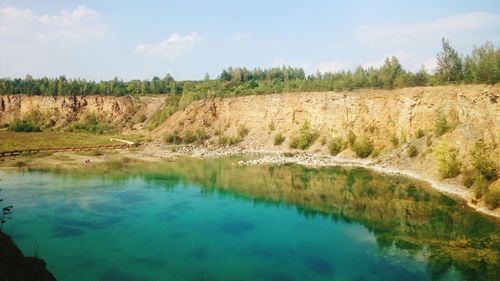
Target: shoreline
pixel 320 160
pixel 157 152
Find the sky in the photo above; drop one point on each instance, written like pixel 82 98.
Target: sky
pixel 103 39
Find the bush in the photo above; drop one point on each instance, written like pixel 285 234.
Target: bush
pixel 448 165
pixel 419 133
pixel 91 124
pixel 468 178
pixel 335 146
pixel 278 139
pixel 394 140
pixel 173 138
pixel 351 138
pixel 226 140
pixel 492 197
pixel 24 126
pixel 482 163
pixel 201 136
pixel 480 186
pixel 412 151
pixel 305 138
pixel 242 131
pixel 188 137
pixel 441 125
pixel 363 148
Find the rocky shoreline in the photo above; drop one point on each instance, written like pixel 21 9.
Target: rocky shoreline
pixel 274 157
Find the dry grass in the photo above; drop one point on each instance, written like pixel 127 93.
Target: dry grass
pixel 15 140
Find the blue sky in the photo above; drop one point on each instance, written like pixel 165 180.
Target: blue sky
pixel 141 39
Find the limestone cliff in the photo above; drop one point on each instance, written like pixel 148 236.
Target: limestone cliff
pixel 472 111
pixel 57 112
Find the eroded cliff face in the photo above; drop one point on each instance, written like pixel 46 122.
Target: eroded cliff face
pixel 57 112
pixel 472 111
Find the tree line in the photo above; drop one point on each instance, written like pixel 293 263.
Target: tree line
pixel 481 66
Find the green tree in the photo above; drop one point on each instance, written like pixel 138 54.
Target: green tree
pixel 449 63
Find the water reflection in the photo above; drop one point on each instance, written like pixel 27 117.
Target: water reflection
pixel 402 214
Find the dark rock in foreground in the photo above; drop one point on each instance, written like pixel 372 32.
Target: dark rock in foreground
pixel 16 267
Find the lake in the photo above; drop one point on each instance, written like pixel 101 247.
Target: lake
pixel 214 220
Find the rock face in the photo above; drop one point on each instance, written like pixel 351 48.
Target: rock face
pixel 472 111
pixel 15 267
pixel 57 112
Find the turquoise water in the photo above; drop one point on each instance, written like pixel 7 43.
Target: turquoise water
pixel 213 220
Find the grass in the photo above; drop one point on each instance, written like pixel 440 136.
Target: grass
pixel 20 141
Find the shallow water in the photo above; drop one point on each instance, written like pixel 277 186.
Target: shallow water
pixel 213 220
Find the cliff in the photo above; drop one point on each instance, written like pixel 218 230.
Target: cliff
pixel 472 112
pixel 57 112
pixel 15 267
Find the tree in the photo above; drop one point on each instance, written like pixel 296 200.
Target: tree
pixel 390 71
pixel 449 63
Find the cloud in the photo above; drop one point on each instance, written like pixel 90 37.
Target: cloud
pixel 390 35
pixel 430 64
pixel 172 47
pixel 23 27
pixel 240 35
pixel 331 66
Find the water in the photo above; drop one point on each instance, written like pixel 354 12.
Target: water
pixel 213 220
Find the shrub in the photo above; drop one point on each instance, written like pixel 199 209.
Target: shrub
pixel 363 148
pixel 335 145
pixel 242 131
pixel 419 133
pixel 91 124
pixel 322 141
pixel 480 186
pixel 468 178
pixel 351 138
pixel 188 137
pixel 271 126
pixel 173 138
pixel 482 163
pixel 492 197
pixel 305 138
pixel 24 126
pixel 441 125
pixel 412 151
pixel 394 140
pixel 201 136
pixel 448 165
pixel 278 139
pixel 226 140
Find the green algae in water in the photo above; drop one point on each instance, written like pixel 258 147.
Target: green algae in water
pixel 213 220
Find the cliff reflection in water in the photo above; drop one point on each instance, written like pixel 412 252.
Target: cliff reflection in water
pixel 402 214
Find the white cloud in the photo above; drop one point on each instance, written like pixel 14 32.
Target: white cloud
pixel 390 35
pixel 430 64
pixel 331 66
pixel 22 27
pixel 240 35
pixel 172 47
